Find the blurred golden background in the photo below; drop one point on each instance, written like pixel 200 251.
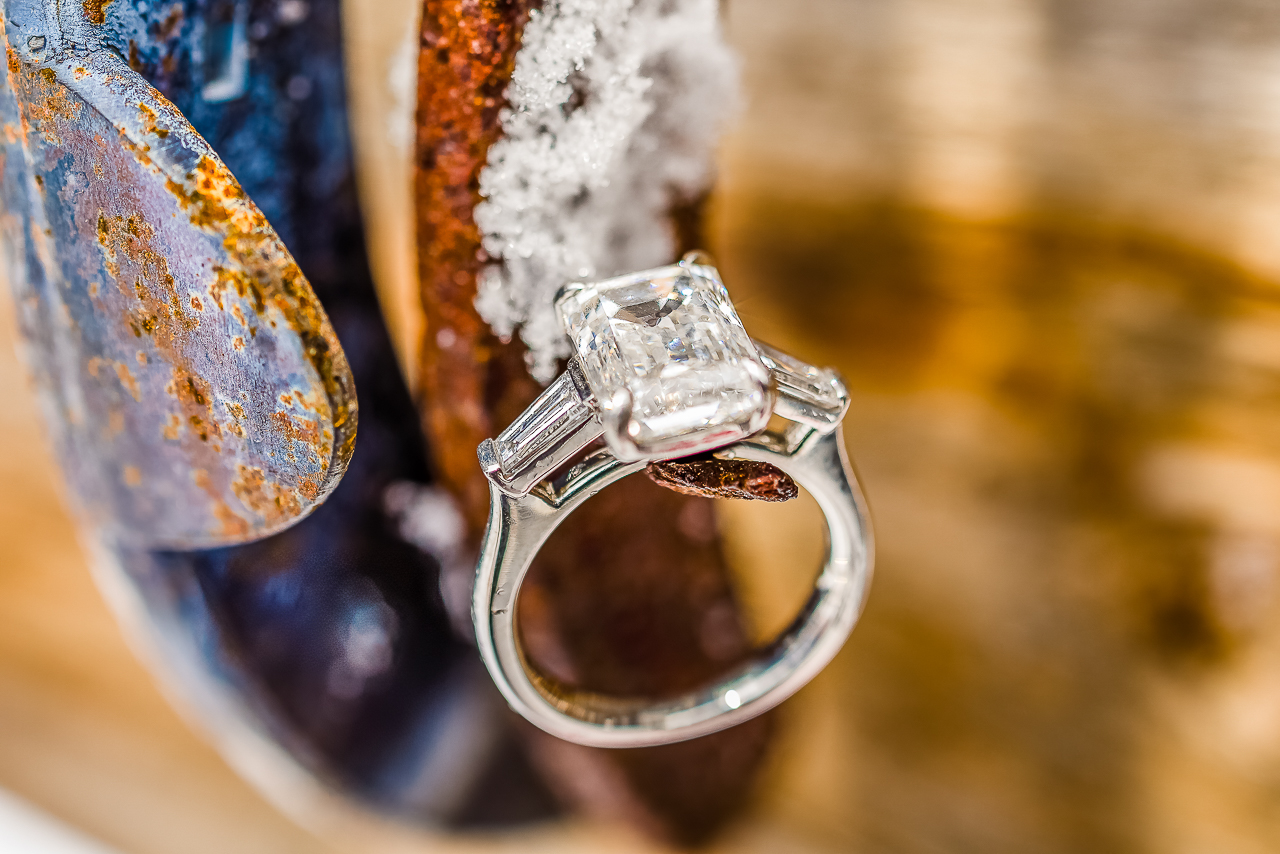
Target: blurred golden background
pixel 1039 240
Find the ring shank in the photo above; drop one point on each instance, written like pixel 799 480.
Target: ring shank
pixel 519 526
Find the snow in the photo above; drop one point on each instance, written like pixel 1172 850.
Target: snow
pixel 616 107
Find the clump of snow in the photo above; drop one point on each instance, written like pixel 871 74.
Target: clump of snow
pixel 615 110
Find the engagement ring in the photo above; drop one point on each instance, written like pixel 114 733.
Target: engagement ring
pixel 664 369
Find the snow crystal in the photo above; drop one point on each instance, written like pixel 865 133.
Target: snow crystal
pixel 615 109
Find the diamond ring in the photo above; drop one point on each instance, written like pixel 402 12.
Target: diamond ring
pixel 664 369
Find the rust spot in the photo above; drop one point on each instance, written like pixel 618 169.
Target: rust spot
pixel 94 365
pixel 233 525
pixel 268 499
pixel 95 11
pixel 195 402
pixel 46 103
pixel 132 476
pixel 127 242
pixel 245 286
pixel 196 304
pixel 300 400
pixel 238 342
pixel 310 489
pixel 149 124
pixel 207 196
pixel 128 381
pixel 173 429
pixel 192 386
pixel 300 430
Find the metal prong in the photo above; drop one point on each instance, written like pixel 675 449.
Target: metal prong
pixel 579 379
pixel 618 427
pixel 699 257
pixel 566 290
pixel 492 466
pixel 759 373
pixel 488 454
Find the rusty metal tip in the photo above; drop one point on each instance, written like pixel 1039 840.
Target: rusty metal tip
pixel 710 477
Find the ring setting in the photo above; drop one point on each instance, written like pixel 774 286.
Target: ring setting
pixel 664 369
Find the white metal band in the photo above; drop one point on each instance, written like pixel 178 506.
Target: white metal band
pixel 520 525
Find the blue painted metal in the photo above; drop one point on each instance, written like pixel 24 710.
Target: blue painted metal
pixel 197 393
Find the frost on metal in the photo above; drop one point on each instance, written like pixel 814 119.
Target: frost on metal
pixel 615 109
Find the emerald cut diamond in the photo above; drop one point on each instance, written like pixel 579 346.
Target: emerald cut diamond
pixel 668 361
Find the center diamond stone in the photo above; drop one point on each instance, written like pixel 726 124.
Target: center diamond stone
pixel 668 360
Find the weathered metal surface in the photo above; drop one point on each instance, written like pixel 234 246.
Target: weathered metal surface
pixel 610 607
pixel 473 385
pixel 196 391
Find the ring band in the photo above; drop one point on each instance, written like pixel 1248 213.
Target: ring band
pixel 519 526
pixel 529 498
